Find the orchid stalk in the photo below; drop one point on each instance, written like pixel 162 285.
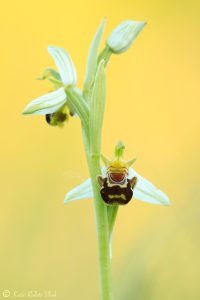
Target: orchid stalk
pixel 114 183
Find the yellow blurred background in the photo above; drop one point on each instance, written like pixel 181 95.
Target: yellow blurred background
pixel 152 105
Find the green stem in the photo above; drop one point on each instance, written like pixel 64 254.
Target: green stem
pixel 102 234
pixel 102 227
pixel 105 54
pixel 112 214
pixel 101 212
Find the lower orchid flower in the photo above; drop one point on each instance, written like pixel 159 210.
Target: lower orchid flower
pixel 119 183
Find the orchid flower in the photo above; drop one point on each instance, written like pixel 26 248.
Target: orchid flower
pixel 55 105
pixel 144 190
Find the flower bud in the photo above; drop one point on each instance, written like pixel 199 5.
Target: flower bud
pixel 122 37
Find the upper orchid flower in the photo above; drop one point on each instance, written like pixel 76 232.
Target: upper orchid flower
pixel 55 104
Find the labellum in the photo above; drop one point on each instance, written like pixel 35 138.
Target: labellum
pixel 59 117
pixel 116 186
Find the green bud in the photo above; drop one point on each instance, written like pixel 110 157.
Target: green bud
pixel 122 37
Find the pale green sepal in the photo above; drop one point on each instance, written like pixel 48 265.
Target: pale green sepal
pixel 105 160
pixel 146 191
pixel 64 64
pixel 92 60
pixel 129 163
pixel 97 109
pixel 47 104
pixel 82 191
pixel 122 37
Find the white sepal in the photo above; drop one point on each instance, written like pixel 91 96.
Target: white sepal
pixel 122 37
pixel 46 104
pixel 146 191
pixel 64 64
pixel 82 191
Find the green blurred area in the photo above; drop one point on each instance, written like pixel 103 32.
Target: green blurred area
pixel 164 263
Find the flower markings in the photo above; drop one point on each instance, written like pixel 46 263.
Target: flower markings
pixel 118 183
pixel 116 187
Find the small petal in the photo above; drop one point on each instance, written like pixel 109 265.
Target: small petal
pixel 46 104
pixel 64 64
pixel 147 192
pixel 122 37
pixel 82 191
pixel 119 149
pixel 49 73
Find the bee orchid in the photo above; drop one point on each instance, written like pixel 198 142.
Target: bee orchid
pixel 54 105
pixel 119 183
